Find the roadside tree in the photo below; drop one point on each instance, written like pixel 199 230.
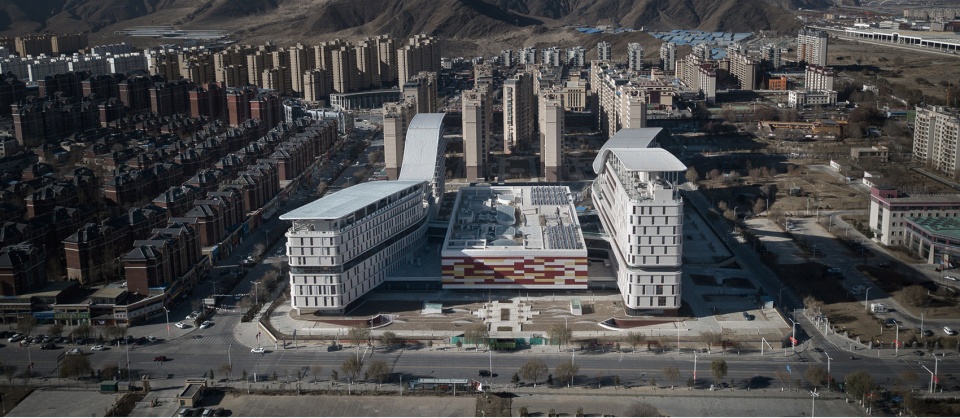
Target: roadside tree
pixel 673 373
pixel 560 333
pixel 351 367
pixel 816 376
pixel 634 339
pixel 26 325
pixel 718 368
pixel 641 409
pixel 566 371
pixel 359 334
pixel 476 335
pixel 859 383
pixel 76 366
pixel 388 339
pixel 380 371
pixel 534 370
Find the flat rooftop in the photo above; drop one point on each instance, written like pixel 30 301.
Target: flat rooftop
pixel 514 218
pixel 348 201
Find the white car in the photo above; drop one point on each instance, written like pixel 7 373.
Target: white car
pixel 181 325
pixel 949 331
pixel 98 347
pixel 258 350
pixel 75 352
pixel 950 278
pixel 206 324
pixel 190 317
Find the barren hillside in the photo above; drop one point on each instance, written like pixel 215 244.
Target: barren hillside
pixel 289 21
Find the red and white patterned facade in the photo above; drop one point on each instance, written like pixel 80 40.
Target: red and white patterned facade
pixel 514 237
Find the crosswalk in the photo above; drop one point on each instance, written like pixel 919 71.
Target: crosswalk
pixel 198 339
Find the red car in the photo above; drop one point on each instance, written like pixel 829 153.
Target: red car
pixel 160 359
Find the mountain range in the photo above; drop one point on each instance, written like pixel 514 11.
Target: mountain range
pixel 288 21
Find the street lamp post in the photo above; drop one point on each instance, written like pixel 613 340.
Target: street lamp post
pixel 936 363
pixel 256 293
pixel 921 323
pixel 167 313
pixel 229 357
pixel 813 408
pixel 694 368
pixel 931 376
pixel 896 342
pixel 793 336
pixel 866 299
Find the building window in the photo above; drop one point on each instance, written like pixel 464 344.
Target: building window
pixel 662 301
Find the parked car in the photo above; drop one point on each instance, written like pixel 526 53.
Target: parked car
pixel 75 352
pixel 207 412
pixel 949 331
pixel 185 412
pixel 48 346
pixel 258 350
pixel 206 324
pixel 14 338
pixel 152 339
pixel 98 347
pixel 747 316
pixel 181 325
pixel 190 317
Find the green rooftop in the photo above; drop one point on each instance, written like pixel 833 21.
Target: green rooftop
pixel 947 227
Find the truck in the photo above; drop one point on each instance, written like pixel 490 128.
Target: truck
pixel 878 308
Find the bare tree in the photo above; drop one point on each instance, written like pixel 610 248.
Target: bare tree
pixel 259 250
pixel 711 338
pixel 26 325
pixel 692 175
pixel 534 370
pixel 316 369
pixel 379 370
pixel 641 409
pixel 673 373
pixel 816 376
pixel 916 295
pixel 76 366
pixel 351 367
pixel 634 339
pixel 109 371
pixel 476 335
pixel 358 334
pixel 718 368
pixel 56 330
pixel 388 339
pixel 560 333
pixel 566 371
pixel 783 377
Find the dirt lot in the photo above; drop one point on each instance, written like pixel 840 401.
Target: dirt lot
pixel 848 314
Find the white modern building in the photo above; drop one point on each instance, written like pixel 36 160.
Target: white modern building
pixel 638 202
pixel 890 212
pixel 345 244
pixel 514 237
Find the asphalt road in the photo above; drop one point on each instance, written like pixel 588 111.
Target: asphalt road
pixel 193 357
